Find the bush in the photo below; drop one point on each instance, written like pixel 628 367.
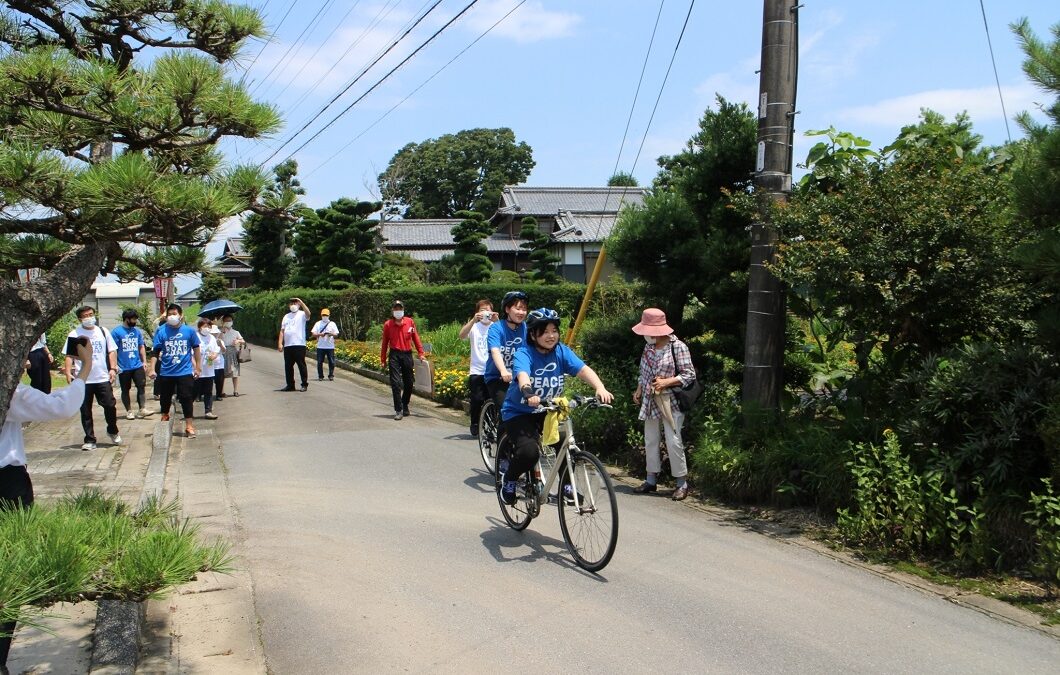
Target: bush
pixel 1044 517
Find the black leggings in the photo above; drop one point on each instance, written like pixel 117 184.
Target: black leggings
pixel 126 379
pixel 497 390
pixel 204 387
pixel 184 386
pixel 524 443
pixel 480 393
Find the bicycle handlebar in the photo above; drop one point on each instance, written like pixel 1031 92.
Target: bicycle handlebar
pixel 575 402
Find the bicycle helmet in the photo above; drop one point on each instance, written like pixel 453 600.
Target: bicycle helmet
pixel 511 297
pixel 540 317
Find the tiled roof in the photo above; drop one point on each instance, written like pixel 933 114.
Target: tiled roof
pixel 588 227
pixel 521 201
pixel 401 234
pixel 234 247
pixel 497 244
pixel 425 254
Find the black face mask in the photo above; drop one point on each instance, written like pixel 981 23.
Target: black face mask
pixel 130 324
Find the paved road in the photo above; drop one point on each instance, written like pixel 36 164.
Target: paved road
pixel 377 546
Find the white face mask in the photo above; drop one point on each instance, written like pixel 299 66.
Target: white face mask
pixel 89 322
pixel 324 320
pixel 227 324
pixel 398 314
pixel 173 319
pixel 204 332
pixel 649 339
pixel 295 308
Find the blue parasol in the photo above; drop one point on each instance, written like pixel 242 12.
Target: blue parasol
pixel 217 308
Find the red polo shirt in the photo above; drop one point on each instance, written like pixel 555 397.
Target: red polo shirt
pixel 400 335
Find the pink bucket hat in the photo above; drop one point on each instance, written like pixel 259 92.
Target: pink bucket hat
pixel 653 323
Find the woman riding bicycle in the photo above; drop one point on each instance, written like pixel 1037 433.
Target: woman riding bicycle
pixel 539 370
pixel 502 341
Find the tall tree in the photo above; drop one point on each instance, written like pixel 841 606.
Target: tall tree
pixel 267 237
pixel 111 114
pixel 471 254
pixel 622 179
pixel 465 171
pixel 541 257
pixel 335 247
pixel 212 288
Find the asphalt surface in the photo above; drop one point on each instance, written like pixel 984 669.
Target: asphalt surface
pixel 377 545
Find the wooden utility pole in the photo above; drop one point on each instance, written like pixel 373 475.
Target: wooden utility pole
pixel 764 349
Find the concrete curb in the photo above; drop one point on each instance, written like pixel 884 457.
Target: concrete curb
pixel 119 623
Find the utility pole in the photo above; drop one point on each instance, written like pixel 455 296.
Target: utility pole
pixel 764 347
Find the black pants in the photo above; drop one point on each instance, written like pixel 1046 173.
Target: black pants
pixel 184 386
pixel 497 390
pixel 126 379
pixel 39 371
pixel 204 388
pixel 219 381
pixel 16 492
pixel 329 356
pixel 402 377
pixel 480 393
pixel 524 443
pixel 104 395
pixel 291 356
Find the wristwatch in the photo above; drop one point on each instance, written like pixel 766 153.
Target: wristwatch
pixel 526 390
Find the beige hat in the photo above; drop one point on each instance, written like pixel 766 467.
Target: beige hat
pixel 652 323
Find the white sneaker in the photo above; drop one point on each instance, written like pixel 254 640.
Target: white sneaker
pixel 115 439
pixel 88 446
pixel 146 412
pixel 130 415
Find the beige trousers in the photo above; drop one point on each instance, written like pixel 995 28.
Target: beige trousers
pixel 674 446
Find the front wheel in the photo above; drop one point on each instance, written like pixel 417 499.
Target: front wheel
pixel 519 514
pixel 588 511
pixel 488 423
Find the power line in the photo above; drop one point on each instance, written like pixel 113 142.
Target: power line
pixel 312 22
pixel 385 77
pixel 993 62
pixel 246 71
pixel 413 92
pixel 362 73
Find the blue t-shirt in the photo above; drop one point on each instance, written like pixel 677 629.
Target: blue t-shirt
pixel 129 341
pixel 175 347
pixel 508 341
pixel 546 373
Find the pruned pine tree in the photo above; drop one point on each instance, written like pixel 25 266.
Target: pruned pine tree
pixel 111 115
pixel 268 236
pixel 541 257
pixel 335 247
pixel 471 254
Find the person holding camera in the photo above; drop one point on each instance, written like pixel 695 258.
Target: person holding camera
pixel 104 366
pixel 476 330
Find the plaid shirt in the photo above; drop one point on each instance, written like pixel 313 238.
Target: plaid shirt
pixel 660 363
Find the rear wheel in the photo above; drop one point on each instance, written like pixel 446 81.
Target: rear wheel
pixel 588 511
pixel 517 515
pixel 488 423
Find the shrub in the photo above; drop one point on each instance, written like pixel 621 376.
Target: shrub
pixel 1044 517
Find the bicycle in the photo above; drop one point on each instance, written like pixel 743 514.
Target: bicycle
pixel 585 496
pixel 488 425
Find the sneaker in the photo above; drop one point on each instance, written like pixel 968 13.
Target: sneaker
pixel 508 492
pixel 331 379
pixel 130 415
pixel 146 412
pixel 287 389
pixel 115 439
pixel 165 417
pixel 568 495
pixel 88 446
pixel 210 416
pixel 305 386
pixel 474 432
pixel 502 466
pixel 406 412
pixel 320 379
pixel 397 415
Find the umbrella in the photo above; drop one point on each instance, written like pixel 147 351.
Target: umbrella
pixel 218 308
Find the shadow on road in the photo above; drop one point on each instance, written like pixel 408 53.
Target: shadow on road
pixel 481 481
pixel 500 537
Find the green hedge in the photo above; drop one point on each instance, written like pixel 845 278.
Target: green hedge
pixel 357 309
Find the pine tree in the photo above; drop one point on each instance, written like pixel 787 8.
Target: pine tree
pixel 335 247
pixel 541 257
pixel 212 288
pixel 471 254
pixel 268 238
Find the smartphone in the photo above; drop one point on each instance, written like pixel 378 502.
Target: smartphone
pixel 71 344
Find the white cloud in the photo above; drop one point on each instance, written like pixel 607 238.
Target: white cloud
pixel 530 23
pixel 981 103
pixel 735 88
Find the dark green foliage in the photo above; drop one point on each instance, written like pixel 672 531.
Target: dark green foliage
pixel 398 270
pixel 268 237
pixel 465 171
pixel 471 254
pixel 622 179
pixel 541 257
pixel 445 271
pixel 335 247
pixel 211 288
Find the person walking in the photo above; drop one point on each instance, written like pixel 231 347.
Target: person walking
pixel 475 331
pixel 399 336
pixel 503 340
pixel 210 349
pixel 29 404
pixel 100 381
pixel 665 364
pixel 39 365
pixel 176 348
pixel 291 341
pixel 132 360
pixel 325 332
pixel 233 343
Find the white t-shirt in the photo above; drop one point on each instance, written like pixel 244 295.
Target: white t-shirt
pixel 210 358
pixel 30 405
pixel 100 347
pixel 328 332
pixel 293 327
pixel 479 353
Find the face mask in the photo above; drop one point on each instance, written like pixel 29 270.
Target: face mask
pixel 227 324
pixel 90 322
pixel 204 332
pixel 173 319
pixel 399 314
pixel 324 319
pixel 295 308
pixel 131 324
pixel 649 339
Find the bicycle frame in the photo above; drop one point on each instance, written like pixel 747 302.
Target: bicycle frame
pixel 559 459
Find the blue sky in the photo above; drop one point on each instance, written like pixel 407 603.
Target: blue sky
pixel 562 75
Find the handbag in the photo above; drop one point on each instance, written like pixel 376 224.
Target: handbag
pixel 686 395
pixel 244 355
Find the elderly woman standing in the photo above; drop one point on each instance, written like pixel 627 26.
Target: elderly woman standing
pixel 232 342
pixel 665 363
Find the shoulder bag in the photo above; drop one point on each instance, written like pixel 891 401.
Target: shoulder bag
pixel 244 355
pixel 686 395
